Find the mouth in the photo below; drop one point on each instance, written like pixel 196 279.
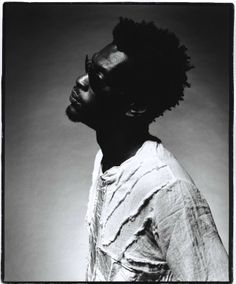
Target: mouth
pixel 74 98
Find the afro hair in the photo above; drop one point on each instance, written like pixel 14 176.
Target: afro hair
pixel 161 63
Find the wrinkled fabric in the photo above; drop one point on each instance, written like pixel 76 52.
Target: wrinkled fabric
pixel 147 221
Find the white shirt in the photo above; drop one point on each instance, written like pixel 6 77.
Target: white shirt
pixel 148 222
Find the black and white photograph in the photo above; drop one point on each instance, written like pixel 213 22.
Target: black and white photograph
pixel 117 124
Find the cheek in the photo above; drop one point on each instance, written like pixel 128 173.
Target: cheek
pixel 88 97
pixel 103 102
pixel 95 104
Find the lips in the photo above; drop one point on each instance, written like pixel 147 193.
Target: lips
pixel 74 98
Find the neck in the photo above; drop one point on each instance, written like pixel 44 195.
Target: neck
pixel 118 145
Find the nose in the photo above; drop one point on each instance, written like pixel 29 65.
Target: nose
pixel 82 82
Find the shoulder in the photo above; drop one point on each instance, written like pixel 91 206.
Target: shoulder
pixel 176 189
pixel 174 166
pixel 160 167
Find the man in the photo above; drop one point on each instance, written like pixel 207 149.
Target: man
pixel 147 220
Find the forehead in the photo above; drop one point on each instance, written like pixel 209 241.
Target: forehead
pixel 110 58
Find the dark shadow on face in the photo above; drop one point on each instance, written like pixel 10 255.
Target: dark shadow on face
pixel 99 96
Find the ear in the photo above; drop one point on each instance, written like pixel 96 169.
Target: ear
pixel 136 110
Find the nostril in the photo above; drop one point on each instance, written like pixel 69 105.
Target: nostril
pixel 82 86
pixel 85 88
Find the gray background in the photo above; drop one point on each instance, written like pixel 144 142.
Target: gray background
pixel 49 160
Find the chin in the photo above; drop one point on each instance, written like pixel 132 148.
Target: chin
pixel 73 114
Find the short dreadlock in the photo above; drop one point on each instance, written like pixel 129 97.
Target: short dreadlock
pixel 161 64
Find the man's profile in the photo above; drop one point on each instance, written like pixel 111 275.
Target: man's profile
pixel 147 220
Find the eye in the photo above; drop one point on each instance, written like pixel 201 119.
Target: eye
pixel 96 81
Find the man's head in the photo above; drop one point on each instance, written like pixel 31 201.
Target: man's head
pixel 136 78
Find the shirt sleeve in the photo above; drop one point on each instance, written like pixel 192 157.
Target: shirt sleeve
pixel 185 231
